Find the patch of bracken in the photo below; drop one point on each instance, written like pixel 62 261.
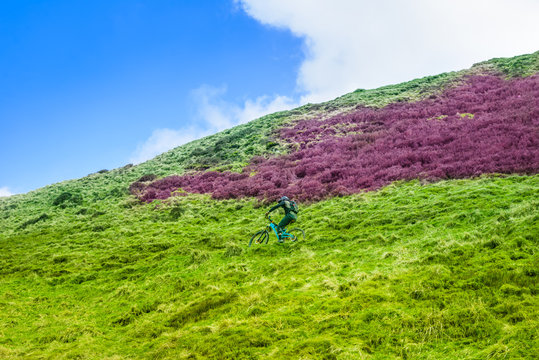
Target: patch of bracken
pixel 486 125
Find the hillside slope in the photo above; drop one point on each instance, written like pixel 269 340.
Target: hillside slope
pixel 440 261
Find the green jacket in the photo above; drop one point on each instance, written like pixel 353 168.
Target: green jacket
pixel 288 209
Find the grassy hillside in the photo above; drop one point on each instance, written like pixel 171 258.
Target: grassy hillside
pixel 444 270
pixel 418 269
pixel 232 149
pixel 485 125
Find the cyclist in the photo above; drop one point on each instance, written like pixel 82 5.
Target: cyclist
pixel 290 213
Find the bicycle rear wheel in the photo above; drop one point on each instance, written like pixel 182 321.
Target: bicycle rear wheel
pixel 297 234
pixel 259 237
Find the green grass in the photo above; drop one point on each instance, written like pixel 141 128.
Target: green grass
pixel 413 271
pixel 518 66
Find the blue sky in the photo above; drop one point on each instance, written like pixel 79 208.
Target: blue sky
pixel 91 85
pixel 84 82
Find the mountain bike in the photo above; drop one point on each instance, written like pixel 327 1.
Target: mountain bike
pixel 263 236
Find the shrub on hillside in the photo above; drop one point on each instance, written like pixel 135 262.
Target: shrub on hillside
pixel 176 212
pixel 137 187
pixel 66 199
pixel 147 177
pixel 35 220
pixel 116 192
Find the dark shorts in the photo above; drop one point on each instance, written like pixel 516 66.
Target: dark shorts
pixel 288 218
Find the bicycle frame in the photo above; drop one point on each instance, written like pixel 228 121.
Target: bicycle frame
pixel 284 234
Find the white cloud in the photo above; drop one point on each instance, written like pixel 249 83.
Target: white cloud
pixel 219 114
pixel 213 114
pixel 163 140
pixel 352 44
pixel 211 109
pixel 264 105
pixel 4 191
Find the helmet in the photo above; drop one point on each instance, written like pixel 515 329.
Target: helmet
pixel 283 198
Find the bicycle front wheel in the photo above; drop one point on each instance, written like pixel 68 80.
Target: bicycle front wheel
pixel 259 237
pixel 297 234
